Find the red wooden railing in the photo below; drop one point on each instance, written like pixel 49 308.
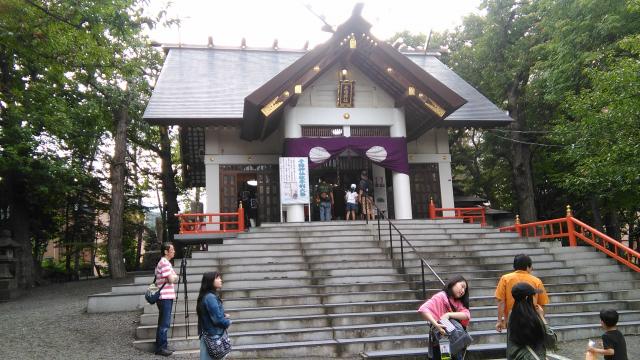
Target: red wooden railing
pixel 470 214
pixel 574 229
pixel 197 223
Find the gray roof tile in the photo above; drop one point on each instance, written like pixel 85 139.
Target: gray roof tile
pixel 477 109
pixel 203 83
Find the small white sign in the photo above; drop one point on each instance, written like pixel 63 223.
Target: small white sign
pixel 294 180
pixel 444 348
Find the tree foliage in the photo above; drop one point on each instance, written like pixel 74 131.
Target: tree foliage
pixel 68 69
pixel 567 72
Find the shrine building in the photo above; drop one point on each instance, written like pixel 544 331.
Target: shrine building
pixel 351 104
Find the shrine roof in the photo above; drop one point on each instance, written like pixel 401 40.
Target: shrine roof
pixel 199 85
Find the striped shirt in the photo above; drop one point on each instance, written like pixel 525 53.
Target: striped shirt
pixel 163 271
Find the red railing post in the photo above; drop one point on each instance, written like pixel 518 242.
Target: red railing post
pixel 484 219
pixel 517 225
pixel 240 217
pixel 432 209
pixel 571 230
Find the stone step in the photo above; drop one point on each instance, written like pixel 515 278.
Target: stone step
pixel 221 254
pixel 308 299
pixel 469 274
pixel 350 223
pixel 307 232
pixel 346 256
pixel 365 291
pixel 410 305
pixel 306 289
pixel 336 347
pixel 312 294
pixel 343 250
pixel 322 290
pixel 418 235
pixel 430 281
pixel 427 252
pixel 410 317
pixel 210 259
pixel 503 246
pixel 497 349
pixel 440 264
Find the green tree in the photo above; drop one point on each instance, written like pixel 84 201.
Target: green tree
pixel 602 124
pixel 68 72
pixel 495 52
pixel 585 40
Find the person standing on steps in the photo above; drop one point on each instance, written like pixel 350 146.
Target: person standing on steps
pixel 528 336
pixel 522 266
pixel 365 196
pixel 351 197
pixel 325 198
pixel 165 275
pixel 212 321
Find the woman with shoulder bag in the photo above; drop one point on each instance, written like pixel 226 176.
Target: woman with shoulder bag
pixel 452 303
pixel 528 335
pixel 212 321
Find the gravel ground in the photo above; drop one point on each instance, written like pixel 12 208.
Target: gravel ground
pixel 575 350
pixel 51 322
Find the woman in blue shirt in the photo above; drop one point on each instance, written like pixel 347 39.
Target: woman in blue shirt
pixel 211 317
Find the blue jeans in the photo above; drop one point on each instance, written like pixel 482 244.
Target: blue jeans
pixel 164 321
pixel 204 355
pixel 325 211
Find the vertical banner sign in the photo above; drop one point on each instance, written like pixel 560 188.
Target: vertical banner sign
pixel 294 180
pixel 379 188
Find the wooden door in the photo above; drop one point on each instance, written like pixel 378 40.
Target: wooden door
pixel 269 196
pixel 425 183
pixel 268 191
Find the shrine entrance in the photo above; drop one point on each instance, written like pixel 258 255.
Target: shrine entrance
pixel 342 171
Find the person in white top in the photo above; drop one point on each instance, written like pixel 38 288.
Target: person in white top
pixel 352 202
pixel 165 275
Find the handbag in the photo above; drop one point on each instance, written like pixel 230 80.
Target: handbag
pixel 459 338
pixel 152 295
pixel 217 346
pixel 533 353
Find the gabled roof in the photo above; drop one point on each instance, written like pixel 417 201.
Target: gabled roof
pixel 424 98
pixel 201 86
pixel 478 110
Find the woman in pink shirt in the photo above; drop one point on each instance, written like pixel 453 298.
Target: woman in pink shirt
pixel 450 303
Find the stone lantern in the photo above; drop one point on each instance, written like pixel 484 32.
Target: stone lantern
pixel 8 248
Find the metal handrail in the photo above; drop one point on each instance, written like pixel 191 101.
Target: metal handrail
pixel 403 239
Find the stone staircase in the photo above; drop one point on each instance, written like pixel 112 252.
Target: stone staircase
pixel 330 290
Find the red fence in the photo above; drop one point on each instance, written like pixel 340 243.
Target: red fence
pixel 197 223
pixel 470 214
pixel 574 229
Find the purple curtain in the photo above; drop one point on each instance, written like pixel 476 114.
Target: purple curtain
pixel 390 153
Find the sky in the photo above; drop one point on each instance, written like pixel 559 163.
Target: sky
pixel 260 22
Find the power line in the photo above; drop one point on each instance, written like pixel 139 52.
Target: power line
pixel 530 143
pixel 521 131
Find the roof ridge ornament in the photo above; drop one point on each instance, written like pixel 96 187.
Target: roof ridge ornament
pixel 326 27
pixel 357 9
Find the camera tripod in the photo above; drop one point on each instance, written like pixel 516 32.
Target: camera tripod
pixel 182 278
